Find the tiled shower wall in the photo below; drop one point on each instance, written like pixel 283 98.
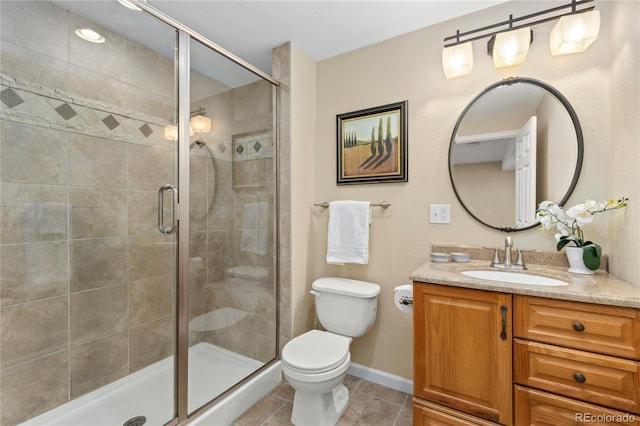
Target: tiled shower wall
pixel 85 277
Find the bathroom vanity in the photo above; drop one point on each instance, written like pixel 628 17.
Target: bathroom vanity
pixel 487 352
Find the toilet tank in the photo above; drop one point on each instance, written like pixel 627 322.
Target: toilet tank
pixel 346 307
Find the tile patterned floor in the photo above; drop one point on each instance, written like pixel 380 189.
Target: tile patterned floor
pixel 370 404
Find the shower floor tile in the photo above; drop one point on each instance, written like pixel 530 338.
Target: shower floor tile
pixel 370 404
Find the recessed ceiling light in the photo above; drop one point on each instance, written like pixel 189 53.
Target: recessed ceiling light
pixel 127 3
pixel 89 35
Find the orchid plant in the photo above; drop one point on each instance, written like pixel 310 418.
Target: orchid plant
pixel 569 225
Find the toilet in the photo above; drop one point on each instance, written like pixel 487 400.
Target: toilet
pixel 316 362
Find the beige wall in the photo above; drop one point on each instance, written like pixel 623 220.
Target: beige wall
pixel 553 175
pixel 624 134
pixel 303 194
pixel 409 68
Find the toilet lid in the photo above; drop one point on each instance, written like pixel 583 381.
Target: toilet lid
pixel 316 352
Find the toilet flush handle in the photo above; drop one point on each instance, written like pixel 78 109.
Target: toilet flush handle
pixel 315 293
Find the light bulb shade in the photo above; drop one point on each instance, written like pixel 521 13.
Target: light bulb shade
pixel 201 124
pixel 511 48
pixel 457 60
pixel 574 33
pixel 171 133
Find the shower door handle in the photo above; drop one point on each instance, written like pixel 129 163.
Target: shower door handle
pixel 174 197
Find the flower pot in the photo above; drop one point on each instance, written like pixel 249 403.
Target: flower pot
pixel 576 264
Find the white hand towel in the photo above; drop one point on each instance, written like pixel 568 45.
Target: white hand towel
pixel 348 233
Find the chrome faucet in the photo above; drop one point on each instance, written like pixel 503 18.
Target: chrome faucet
pixel 508 263
pixel 508 243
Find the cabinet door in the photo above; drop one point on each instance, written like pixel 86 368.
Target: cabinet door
pixel 462 349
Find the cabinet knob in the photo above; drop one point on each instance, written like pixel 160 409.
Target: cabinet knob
pixel 578 326
pixel 579 378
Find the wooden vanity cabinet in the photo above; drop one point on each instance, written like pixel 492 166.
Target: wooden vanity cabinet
pixel 462 355
pixel 573 362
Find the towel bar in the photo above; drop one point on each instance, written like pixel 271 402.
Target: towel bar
pixel 383 204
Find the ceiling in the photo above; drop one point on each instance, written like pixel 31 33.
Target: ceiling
pixel 323 29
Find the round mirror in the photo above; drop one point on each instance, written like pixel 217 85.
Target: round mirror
pixel 515 145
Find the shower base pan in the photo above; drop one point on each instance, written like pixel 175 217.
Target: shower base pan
pixel 149 392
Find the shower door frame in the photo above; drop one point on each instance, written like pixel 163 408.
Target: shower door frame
pixel 185 35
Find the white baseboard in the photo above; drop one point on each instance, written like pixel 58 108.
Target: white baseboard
pixel 380 377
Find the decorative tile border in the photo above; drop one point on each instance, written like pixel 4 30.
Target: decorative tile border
pixel 34 104
pixel 252 146
pixel 38 105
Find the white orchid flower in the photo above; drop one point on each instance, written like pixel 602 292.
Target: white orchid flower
pixel 579 209
pixel 556 210
pixel 582 212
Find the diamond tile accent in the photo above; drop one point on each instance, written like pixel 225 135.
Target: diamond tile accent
pixel 257 146
pixel 111 122
pixel 222 147
pixel 239 149
pixel 146 130
pixel 66 111
pixel 10 98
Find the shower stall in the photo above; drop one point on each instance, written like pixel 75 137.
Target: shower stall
pixel 138 217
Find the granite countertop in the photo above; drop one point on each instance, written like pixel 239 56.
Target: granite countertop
pixel 599 288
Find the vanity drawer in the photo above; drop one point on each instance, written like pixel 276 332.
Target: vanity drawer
pixel 597 328
pixel 595 378
pixel 538 408
pixel 429 414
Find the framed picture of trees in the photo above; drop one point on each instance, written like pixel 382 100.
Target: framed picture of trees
pixel 372 145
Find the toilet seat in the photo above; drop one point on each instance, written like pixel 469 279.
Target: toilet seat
pixel 316 352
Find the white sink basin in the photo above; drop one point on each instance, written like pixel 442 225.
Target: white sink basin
pixel 514 278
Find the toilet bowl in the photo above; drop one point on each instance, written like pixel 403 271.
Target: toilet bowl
pixel 316 362
pixel 315 365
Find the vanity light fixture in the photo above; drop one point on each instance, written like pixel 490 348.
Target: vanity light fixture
pixel 511 48
pixel 457 60
pixel 509 40
pixel 90 35
pixel 574 33
pixel 198 124
pixel 171 132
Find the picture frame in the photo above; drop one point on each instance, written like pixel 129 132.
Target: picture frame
pixel 372 145
pixel 252 159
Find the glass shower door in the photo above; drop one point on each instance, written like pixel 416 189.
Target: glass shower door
pixel 87 281
pixel 232 205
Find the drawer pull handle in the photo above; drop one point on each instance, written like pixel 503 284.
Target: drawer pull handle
pixel 578 326
pixel 503 333
pixel 579 378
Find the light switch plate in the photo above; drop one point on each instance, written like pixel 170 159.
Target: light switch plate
pixel 440 213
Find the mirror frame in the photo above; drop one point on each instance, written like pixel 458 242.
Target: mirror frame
pixel 576 124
